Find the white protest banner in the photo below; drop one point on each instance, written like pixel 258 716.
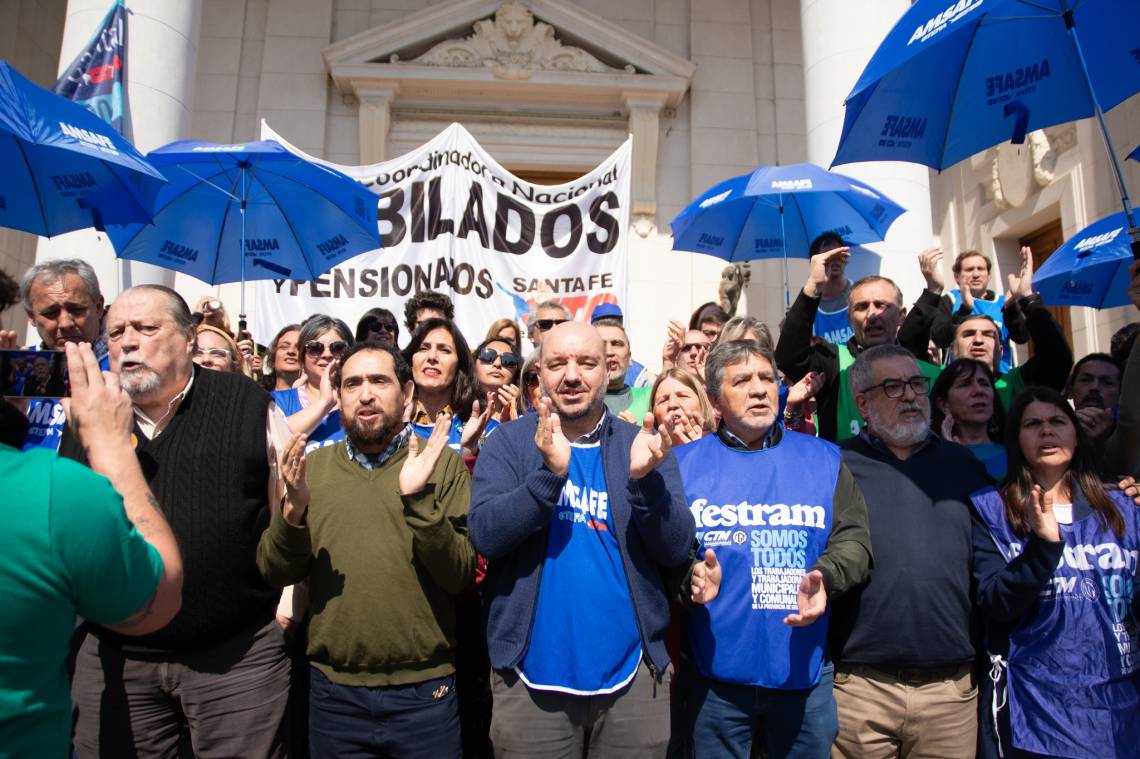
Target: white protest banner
pixel 453 220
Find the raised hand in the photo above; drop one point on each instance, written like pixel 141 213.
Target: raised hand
pixel 476 423
pixel 296 479
pixel 99 411
pixel 328 392
pixel 422 458
pixel 550 441
pixel 817 273
pixel 806 389
pixel 674 339
pixel 8 339
pixel 811 600
pixel 1041 516
pixel 930 264
pixel 1097 422
pixel 508 399
pixel 1022 285
pixel 704 582
pixel 687 429
pixel 948 429
pixel 1129 488
pixel 649 447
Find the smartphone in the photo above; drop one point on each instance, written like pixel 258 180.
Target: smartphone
pixel 33 374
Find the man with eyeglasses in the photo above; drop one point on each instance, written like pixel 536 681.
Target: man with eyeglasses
pixel 901 642
pixel 206 441
pixel 547 315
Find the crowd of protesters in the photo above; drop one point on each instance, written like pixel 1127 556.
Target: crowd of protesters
pixel 871 532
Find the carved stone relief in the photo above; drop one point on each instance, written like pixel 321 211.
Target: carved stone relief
pixel 513 45
pixel 1018 171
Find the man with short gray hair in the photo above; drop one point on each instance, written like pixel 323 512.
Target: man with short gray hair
pixel 204 439
pixel 547 315
pixel 901 642
pixel 790 525
pixel 63 302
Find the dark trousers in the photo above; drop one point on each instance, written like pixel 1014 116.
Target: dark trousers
pixel 631 722
pixel 398 721
pixel 792 723
pixel 230 697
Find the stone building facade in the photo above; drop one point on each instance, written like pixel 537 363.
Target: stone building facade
pixel 708 88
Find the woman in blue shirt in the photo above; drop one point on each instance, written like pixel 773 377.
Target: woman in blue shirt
pixel 311 408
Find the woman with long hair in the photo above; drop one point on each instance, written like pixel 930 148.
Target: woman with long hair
pixel 1055 559
pixel 678 397
pixel 311 408
pixel 497 369
pixel 443 372
pixel 506 329
pixel 282 365
pixel 965 409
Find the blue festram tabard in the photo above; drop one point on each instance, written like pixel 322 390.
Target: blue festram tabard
pixel 584 639
pixel 833 326
pixel 767 515
pixel 329 431
pixel 992 309
pixel 1073 673
pixel 454 432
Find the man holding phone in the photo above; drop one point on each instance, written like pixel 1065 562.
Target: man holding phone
pixel 64 303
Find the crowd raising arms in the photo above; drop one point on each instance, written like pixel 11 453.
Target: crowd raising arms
pixel 811 523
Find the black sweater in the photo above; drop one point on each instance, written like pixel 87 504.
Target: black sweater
pixel 915 611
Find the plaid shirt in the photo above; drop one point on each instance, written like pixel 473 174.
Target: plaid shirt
pixel 372 461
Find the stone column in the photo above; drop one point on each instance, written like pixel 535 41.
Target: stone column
pixel 644 125
pixel 839 38
pixel 162 52
pixel 375 117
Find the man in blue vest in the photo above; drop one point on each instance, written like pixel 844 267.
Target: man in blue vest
pixel 579 515
pixel 63 302
pixel 789 525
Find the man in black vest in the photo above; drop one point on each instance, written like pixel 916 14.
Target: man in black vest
pixel 219 669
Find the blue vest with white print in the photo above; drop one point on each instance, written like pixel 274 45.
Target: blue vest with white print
pixel 767 515
pixel 1073 672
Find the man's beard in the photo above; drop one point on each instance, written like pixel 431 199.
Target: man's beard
pixel 361 435
pixel 897 432
pixel 140 381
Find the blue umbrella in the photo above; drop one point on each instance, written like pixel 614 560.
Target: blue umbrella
pixel 952 79
pixel 1135 154
pixel 64 167
pixel 292 218
pixel 776 211
pixel 1090 269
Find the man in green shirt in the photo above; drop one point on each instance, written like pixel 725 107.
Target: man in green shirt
pixel 631 403
pixel 377 523
pixel 75 541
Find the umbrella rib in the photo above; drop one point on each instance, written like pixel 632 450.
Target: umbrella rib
pixel 205 181
pixel 954 100
pixel 288 223
pixel 298 182
pixel 218 245
pixel 36 187
pixel 803 222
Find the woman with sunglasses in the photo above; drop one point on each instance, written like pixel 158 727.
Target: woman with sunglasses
pixel 506 329
pixel 497 367
pixel 965 409
pixel 378 325
pixel 311 408
pixel 1055 563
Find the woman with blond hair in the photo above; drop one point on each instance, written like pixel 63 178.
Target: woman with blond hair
pixel 678 396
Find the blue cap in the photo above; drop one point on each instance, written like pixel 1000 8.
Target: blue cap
pixel 605 311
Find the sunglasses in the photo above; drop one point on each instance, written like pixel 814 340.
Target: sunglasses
pixel 545 324
pixel 317 348
pixel 488 356
pixel 699 346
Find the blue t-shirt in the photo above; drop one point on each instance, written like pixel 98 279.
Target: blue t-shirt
pixel 46 418
pixel 833 326
pixel 993 456
pixel 637 375
pixel 584 639
pixel 327 432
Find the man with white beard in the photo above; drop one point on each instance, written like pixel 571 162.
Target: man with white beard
pixel 901 641
pixel 203 439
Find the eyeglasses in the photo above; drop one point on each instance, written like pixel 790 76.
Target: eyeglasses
pixel 545 324
pixel 317 348
pixel 221 353
pixel 488 356
pixel 699 346
pixel 894 388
